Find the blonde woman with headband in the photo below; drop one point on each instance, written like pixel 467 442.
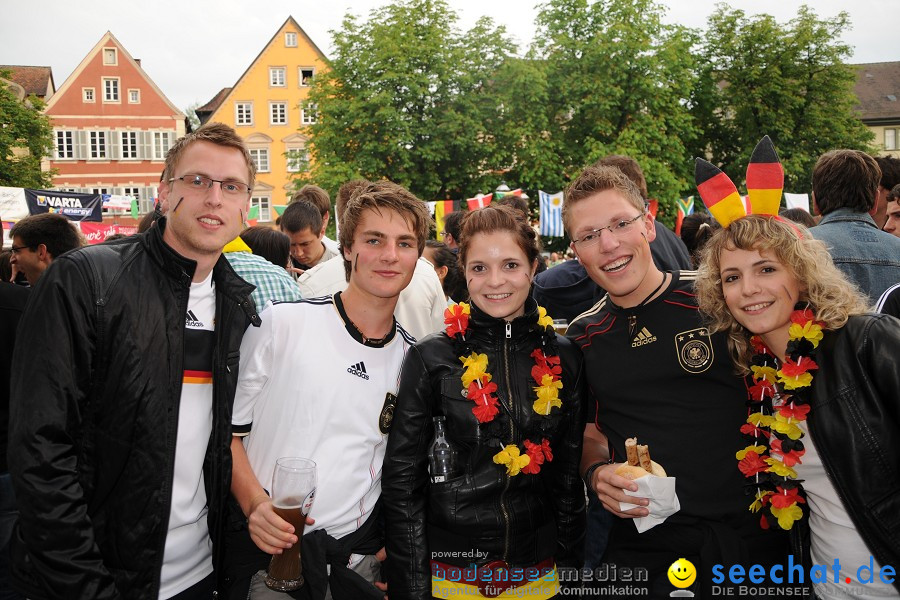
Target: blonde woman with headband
pixel 822 454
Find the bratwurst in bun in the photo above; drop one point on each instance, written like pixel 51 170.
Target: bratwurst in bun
pixel 639 463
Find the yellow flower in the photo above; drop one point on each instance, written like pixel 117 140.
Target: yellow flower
pixel 792 383
pixel 512 458
pixel 811 331
pixel 547 395
pixel 544 320
pixel 787 516
pixel 758 419
pixel 767 373
pixel 740 454
pixel 779 468
pixel 475 368
pixel 757 504
pixel 787 427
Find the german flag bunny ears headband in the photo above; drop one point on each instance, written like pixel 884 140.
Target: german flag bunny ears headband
pixel 765 180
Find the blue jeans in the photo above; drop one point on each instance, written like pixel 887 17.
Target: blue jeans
pixel 599 522
pixel 9 512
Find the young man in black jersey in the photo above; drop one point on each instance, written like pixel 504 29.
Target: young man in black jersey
pixel 657 374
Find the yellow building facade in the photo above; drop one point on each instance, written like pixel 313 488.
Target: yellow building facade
pixel 268 107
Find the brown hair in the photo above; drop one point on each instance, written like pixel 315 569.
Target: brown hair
pixel 830 295
pixel 599 179
pixel 268 243
pixel 630 167
pixel 343 195
pixel 378 196
pixel 214 133
pixel 315 196
pixel 845 179
pixel 514 201
pixel 493 218
pixel 55 231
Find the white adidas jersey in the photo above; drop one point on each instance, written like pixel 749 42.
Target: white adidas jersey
pixel 309 387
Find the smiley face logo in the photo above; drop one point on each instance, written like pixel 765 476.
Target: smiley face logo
pixel 682 573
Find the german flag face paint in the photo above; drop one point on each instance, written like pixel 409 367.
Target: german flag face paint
pixel 718 193
pixel 765 179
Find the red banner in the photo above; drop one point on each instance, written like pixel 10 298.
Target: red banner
pixel 98 232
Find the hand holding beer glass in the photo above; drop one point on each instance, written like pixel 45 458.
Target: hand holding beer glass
pixel 293 491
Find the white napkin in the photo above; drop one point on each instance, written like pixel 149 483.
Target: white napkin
pixel 663 500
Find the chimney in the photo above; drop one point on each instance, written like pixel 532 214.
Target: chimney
pixel 138 61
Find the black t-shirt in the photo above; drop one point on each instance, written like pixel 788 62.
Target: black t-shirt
pixel 671 385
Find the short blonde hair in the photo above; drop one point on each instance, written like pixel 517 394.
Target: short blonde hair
pixel 830 295
pixel 214 133
pixel 596 179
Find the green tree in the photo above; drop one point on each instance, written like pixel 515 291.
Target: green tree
pixel 409 97
pixel 788 81
pixel 191 113
pixel 616 80
pixel 26 137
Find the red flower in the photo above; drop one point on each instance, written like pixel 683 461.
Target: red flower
pixel 485 408
pixel 474 393
pixel 752 464
pixel 487 411
pixel 783 498
pixel 545 448
pixel 797 412
pixel 793 369
pixel 456 319
pixel 788 458
pixel 763 522
pixel 801 317
pixel 762 389
pixel 758 346
pixel 539 453
pixel 750 429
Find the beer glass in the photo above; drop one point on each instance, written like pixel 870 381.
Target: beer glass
pixel 293 491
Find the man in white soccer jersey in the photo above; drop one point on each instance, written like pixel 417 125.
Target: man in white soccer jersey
pixel 331 403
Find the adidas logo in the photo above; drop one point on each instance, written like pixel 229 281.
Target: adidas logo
pixel 359 369
pixel 643 338
pixel 191 320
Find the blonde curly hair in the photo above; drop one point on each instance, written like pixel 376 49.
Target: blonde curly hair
pixel 830 295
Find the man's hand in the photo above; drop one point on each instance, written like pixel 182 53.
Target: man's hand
pixel 270 533
pixel 381 556
pixel 295 271
pixel 610 487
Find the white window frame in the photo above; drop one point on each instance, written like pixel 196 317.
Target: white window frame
pixel 107 97
pixel 260 157
pixel 133 142
pixel 245 116
pixel 294 158
pixel 278 112
pixel 134 96
pixel 309 114
pixel 88 95
pixel 99 190
pixel 65 138
pixel 277 76
pixel 892 145
pixel 115 57
pixel 307 80
pixel 265 207
pixel 290 39
pixel 161 142
pixel 135 189
pixel 98 141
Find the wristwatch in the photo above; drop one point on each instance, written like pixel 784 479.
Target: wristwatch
pixel 589 473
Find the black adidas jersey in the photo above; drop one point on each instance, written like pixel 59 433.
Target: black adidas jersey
pixel 656 374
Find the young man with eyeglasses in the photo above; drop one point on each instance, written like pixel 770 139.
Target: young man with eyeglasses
pixel 122 391
pixel 37 240
pixel 656 374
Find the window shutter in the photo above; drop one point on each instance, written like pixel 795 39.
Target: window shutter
pixel 145 151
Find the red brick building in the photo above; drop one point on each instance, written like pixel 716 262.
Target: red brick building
pixel 112 126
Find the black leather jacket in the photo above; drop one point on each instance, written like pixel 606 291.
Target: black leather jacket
pixel 94 415
pixel 854 422
pixel 522 520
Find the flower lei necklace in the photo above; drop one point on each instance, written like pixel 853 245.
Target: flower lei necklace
pixel 481 390
pixel 776 444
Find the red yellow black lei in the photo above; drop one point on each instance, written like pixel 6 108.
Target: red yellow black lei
pixel 482 391
pixel 775 438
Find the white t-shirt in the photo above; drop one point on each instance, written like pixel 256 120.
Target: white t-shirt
pixel 309 387
pixel 188 553
pixel 833 535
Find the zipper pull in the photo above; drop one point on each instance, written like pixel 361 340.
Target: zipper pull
pixel 508 330
pixel 632 321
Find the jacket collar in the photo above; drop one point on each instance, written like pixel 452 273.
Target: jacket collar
pixel 181 269
pixel 846 214
pixel 486 327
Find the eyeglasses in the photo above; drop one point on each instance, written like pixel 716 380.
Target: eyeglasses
pixel 619 229
pixel 17 249
pixel 200 183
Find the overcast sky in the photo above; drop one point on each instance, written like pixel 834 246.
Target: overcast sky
pixel 193 48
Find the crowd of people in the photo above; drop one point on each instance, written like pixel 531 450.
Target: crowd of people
pixel 150 383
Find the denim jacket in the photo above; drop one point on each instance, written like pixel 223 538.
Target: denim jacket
pixel 868 257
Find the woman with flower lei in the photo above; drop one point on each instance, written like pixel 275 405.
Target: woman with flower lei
pixel 511 392
pixel 822 455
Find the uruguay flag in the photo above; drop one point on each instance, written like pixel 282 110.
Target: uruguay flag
pixel 551 214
